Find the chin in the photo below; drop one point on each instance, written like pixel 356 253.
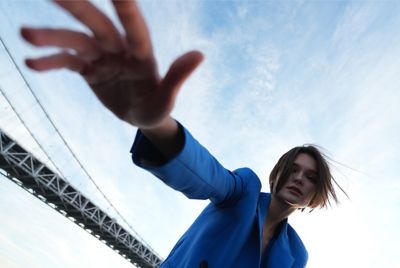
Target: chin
pixel 290 200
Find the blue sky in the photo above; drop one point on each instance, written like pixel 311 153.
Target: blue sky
pixel 276 75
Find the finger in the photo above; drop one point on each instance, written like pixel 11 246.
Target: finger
pixel 57 61
pixel 180 71
pixel 137 34
pixel 101 26
pixel 62 38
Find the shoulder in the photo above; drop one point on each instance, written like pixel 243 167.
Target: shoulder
pixel 246 184
pixel 249 177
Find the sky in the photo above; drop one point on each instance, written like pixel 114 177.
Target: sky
pixel 276 74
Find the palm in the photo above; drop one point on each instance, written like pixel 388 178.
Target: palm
pixel 127 87
pixel 121 71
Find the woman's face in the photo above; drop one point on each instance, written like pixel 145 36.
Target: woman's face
pixel 300 187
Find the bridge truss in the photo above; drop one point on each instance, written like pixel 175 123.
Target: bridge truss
pixel 31 174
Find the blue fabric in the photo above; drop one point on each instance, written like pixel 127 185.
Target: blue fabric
pixel 228 233
pixel 265 257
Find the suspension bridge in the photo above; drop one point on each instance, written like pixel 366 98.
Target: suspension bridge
pixel 47 183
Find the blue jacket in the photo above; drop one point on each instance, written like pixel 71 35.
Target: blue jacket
pixel 228 233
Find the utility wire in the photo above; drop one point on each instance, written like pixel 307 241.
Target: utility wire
pixel 30 132
pixel 66 144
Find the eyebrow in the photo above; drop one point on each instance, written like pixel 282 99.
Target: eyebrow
pixel 312 171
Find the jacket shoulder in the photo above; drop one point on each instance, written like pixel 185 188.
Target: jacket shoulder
pixel 247 184
pixel 249 177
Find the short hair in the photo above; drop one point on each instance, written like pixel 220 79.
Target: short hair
pixel 324 187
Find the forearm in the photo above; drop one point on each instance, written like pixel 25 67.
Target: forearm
pixel 167 137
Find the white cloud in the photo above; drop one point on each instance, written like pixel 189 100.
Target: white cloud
pixel 354 23
pixel 264 84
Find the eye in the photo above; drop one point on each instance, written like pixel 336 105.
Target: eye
pixel 312 178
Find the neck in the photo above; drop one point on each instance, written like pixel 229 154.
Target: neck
pixel 277 212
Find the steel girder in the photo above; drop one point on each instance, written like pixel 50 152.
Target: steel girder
pixel 31 174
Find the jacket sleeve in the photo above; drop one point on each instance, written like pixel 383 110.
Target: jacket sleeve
pixel 193 171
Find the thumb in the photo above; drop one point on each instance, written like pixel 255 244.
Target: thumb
pixel 180 71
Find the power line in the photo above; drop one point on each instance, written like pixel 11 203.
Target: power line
pixel 63 140
pixel 30 132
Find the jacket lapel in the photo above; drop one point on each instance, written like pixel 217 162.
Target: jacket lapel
pixel 262 211
pixel 281 255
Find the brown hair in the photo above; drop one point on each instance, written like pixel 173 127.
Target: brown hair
pixel 324 187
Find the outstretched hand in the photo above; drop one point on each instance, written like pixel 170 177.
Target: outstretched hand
pixel 120 69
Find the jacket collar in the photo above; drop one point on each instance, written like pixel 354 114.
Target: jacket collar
pixel 281 255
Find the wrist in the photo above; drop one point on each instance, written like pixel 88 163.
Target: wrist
pixel 166 127
pixel 166 136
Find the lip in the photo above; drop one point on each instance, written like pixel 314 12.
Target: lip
pixel 295 190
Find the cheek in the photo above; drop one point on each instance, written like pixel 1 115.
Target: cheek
pixel 311 191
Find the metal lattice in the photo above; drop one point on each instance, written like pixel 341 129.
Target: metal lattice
pixel 31 174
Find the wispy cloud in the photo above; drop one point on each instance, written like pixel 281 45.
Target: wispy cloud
pixel 276 75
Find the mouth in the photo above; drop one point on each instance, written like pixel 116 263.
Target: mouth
pixel 295 190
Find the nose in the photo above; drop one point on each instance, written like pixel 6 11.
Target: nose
pixel 298 178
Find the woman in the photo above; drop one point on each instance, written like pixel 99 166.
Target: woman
pixel 241 227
